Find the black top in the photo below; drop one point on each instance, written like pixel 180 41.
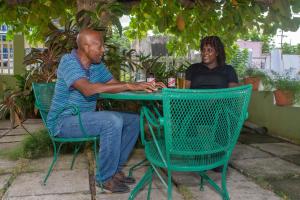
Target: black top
pixel 202 77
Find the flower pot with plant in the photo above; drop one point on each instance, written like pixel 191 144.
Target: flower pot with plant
pixel 255 77
pixel 286 90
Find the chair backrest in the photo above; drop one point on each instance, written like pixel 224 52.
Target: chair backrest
pixel 203 122
pixel 43 93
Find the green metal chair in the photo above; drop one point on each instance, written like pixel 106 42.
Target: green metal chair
pixel 43 93
pixel 201 128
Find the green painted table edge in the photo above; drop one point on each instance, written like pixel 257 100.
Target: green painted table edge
pixel 136 95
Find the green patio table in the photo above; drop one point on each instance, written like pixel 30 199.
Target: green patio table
pixel 143 97
pixel 136 95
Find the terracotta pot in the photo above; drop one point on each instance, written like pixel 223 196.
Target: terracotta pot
pixel 284 98
pixel 180 23
pixel 254 81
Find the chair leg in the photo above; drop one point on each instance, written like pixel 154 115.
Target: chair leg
pixel 95 153
pixel 55 156
pixel 149 188
pixel 145 179
pixel 136 166
pixel 77 147
pixel 97 165
pixel 224 186
pixel 201 182
pixel 169 185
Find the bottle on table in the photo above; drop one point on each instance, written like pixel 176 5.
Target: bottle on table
pixel 172 79
pixel 151 78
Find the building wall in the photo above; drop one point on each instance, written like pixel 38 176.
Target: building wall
pixel 256 47
pixel 281 122
pixel 8 81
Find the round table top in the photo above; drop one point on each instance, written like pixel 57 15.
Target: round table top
pixel 133 95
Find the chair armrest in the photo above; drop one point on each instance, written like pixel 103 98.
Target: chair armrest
pixel 246 115
pixel 150 119
pixel 152 122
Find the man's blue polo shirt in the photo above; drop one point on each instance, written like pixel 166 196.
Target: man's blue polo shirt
pixel 70 70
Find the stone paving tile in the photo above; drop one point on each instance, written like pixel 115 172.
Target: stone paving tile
pixel 249 138
pixel 3 131
pixel 266 167
pixel 3 180
pixel 193 179
pixel 16 131
pixel 9 138
pixel 136 156
pixel 33 121
pixel 73 196
pixel 288 186
pixel 239 187
pixel 156 194
pixel 63 163
pixel 10 145
pixel 293 158
pixel 242 151
pixel 6 166
pixel 4 124
pixel 237 191
pixel 33 127
pixel 60 182
pixel 279 149
pixel 76 181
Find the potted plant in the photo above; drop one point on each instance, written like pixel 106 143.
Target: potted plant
pixel 255 77
pixel 286 90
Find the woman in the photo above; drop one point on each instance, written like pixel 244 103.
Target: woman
pixel 212 72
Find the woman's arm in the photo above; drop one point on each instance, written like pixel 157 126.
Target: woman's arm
pixel 233 84
pixel 187 84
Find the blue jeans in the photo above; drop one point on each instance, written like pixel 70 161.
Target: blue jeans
pixel 118 134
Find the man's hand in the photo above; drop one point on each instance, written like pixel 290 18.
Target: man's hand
pixel 160 85
pixel 148 87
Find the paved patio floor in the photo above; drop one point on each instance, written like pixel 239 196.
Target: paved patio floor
pixel 261 168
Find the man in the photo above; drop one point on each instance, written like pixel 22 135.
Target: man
pixel 80 77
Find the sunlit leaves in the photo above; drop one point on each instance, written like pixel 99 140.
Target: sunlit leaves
pixel 227 19
pixel 32 18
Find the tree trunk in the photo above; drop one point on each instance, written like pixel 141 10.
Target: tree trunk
pixel 91 170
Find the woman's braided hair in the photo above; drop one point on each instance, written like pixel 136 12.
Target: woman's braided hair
pixel 216 43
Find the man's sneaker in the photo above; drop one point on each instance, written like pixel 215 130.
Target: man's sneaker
pixel 120 176
pixel 114 186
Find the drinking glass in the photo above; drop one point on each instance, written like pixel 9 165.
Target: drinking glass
pixel 140 77
pixel 180 80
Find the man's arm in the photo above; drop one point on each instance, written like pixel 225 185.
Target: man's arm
pixel 87 88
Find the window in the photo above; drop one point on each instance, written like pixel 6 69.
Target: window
pixel 6 54
pixel 159 49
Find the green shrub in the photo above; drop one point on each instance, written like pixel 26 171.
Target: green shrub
pixel 31 147
pixel 39 145
pixel 264 77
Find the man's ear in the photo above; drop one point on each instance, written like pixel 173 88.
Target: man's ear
pixel 86 48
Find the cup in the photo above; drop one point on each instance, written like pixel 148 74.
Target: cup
pixel 140 77
pixel 180 80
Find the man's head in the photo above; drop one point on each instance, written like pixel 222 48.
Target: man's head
pixel 90 43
